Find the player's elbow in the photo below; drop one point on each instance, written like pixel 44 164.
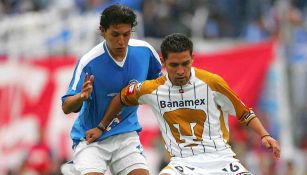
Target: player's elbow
pixel 65 110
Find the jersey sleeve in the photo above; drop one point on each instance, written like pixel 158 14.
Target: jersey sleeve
pixel 154 70
pixel 76 82
pixel 230 103
pixel 130 94
pixel 138 93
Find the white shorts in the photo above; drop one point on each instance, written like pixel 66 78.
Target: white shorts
pixel 122 153
pixel 206 164
pixel 68 168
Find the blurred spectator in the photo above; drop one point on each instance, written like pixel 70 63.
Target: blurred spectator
pixel 166 16
pixel 297 59
pixel 39 158
pixel 212 28
pixel 257 31
pixel 300 4
pixel 13 7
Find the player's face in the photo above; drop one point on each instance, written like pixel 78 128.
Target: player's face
pixel 117 37
pixel 178 66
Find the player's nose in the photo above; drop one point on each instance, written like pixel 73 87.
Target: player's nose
pixel 180 70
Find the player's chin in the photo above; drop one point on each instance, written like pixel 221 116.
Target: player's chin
pixel 180 83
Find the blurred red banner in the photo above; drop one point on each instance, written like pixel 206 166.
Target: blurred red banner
pixel 244 68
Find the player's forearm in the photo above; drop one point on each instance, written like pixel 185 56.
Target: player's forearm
pixel 114 108
pixel 72 103
pixel 257 126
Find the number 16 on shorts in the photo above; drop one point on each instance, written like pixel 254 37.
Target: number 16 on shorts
pixel 235 168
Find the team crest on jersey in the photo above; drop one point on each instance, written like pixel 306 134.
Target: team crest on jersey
pixel 130 89
pixel 132 84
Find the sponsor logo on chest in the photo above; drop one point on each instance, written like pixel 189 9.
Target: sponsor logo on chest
pixel 182 103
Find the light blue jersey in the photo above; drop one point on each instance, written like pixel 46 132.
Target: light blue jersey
pixel 141 62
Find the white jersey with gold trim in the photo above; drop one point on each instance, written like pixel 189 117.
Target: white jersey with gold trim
pixel 193 118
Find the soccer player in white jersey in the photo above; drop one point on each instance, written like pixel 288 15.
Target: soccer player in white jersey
pixel 99 75
pixel 192 107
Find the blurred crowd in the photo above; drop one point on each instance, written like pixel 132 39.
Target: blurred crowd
pixel 39 159
pixel 247 19
pixel 250 20
pixel 207 18
pixel 244 20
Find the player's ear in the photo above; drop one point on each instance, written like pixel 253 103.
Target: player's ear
pixel 162 61
pixel 192 56
pixel 102 31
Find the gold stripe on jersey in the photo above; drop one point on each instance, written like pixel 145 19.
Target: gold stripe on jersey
pixel 223 126
pixel 130 94
pixel 216 83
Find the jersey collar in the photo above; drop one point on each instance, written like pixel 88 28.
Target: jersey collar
pixel 119 63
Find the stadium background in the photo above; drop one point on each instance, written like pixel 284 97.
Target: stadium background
pixel 258 46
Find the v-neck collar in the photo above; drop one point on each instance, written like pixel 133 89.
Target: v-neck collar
pixel 119 63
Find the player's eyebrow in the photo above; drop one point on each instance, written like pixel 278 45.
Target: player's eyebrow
pixel 116 32
pixel 186 62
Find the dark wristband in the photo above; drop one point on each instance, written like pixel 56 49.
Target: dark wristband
pixel 265 136
pixel 101 127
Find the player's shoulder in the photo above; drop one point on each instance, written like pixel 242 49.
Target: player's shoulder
pixel 204 74
pixel 137 42
pixel 141 44
pixel 92 54
pixel 209 78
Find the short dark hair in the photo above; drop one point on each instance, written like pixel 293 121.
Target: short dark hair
pixel 175 42
pixel 117 14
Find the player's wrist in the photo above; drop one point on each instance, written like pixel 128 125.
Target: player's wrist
pixel 265 135
pixel 101 127
pixel 81 96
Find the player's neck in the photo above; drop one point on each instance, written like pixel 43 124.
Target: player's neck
pixel 117 56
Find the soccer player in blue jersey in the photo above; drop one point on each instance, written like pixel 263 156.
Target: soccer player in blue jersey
pixel 99 75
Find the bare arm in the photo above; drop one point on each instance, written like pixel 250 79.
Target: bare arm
pixel 114 108
pixel 266 139
pixel 73 103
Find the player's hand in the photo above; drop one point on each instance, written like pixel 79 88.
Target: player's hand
pixel 271 144
pixel 92 134
pixel 87 87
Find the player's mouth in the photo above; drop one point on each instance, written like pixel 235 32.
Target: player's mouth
pixel 122 49
pixel 180 78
